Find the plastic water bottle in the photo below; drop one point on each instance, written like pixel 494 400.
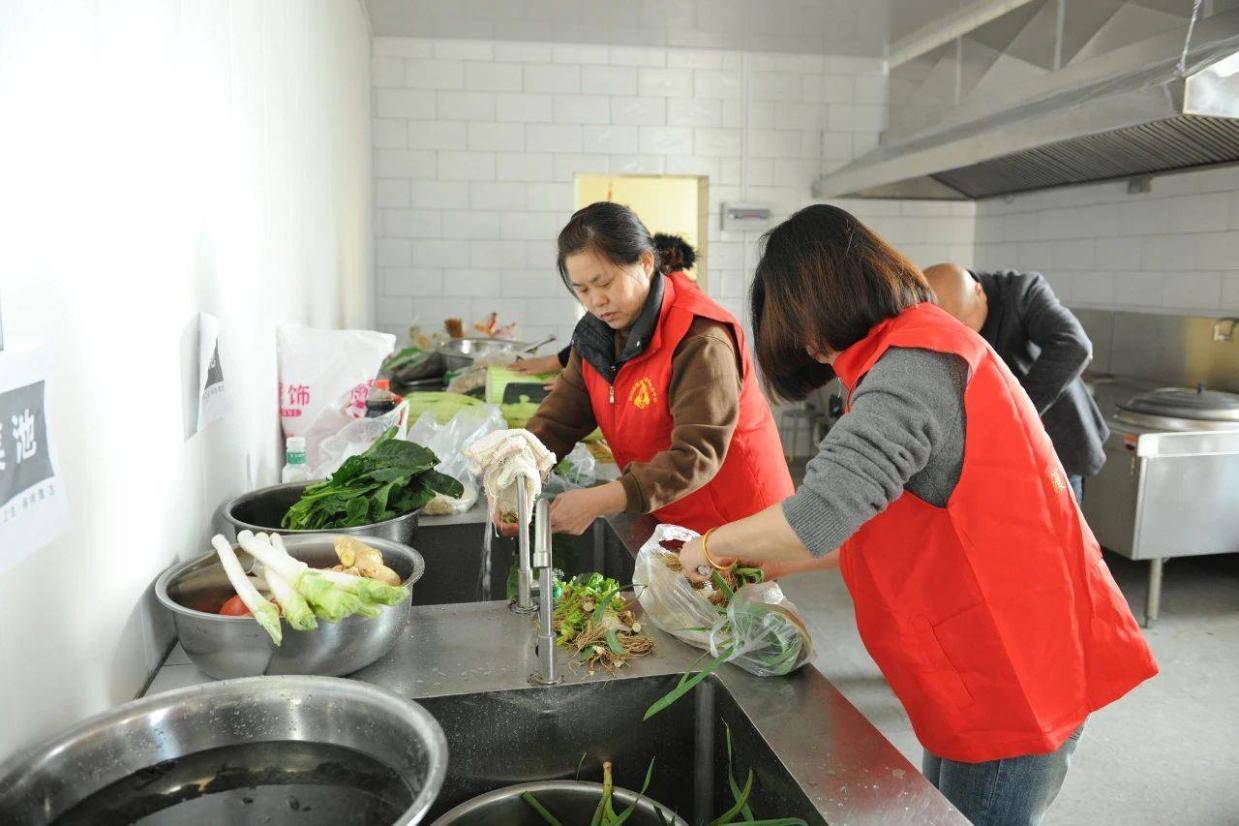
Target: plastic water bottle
pixel 295 469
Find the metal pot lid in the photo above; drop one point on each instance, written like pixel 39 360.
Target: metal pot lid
pixel 1185 403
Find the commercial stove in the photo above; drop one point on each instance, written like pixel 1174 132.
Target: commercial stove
pixel 1170 485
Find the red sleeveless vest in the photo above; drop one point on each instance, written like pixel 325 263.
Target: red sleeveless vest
pixel 994 619
pixel 634 416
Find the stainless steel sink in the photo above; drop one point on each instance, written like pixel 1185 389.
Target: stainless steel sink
pixel 502 738
pixel 453 554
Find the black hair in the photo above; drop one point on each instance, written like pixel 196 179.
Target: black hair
pixel 611 230
pixel 674 253
pixel 824 281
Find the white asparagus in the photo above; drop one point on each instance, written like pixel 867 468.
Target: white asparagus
pixel 265 613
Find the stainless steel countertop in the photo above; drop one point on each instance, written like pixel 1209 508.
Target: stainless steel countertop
pixel 845 766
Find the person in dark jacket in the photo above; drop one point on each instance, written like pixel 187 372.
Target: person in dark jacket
pixel 1043 344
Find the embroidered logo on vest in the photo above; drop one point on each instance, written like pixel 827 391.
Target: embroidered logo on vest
pixel 643 394
pixel 1057 481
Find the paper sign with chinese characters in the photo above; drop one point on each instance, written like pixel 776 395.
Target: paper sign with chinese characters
pixel 33 508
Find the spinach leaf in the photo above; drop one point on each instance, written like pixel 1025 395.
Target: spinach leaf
pixel 390 478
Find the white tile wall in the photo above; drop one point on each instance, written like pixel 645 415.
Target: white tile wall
pixel 477 144
pixel 1174 249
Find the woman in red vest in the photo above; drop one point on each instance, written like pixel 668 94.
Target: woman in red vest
pixel 979 590
pixel 664 372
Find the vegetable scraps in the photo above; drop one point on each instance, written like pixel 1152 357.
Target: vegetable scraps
pixel 391 478
pixel 605 815
pixel 593 619
pixel 302 595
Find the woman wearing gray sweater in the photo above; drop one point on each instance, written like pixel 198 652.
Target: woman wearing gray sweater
pixel 979 590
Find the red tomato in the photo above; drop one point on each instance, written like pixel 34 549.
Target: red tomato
pixel 234 608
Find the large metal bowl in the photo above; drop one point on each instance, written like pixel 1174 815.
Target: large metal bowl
pixel 460 353
pixel 262 510
pixel 226 647
pixel 571 801
pixel 253 719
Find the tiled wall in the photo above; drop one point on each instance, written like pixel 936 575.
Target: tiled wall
pixel 477 144
pixel 1172 250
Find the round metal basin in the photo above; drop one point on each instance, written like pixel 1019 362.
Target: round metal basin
pixel 226 647
pixel 571 801
pixel 460 353
pixel 262 510
pixel 263 750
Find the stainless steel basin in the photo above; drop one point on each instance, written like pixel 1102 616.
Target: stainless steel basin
pixel 506 738
pixel 570 801
pixel 262 510
pixel 277 750
pixel 460 353
pixel 226 647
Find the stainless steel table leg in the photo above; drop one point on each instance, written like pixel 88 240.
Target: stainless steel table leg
pixel 1153 602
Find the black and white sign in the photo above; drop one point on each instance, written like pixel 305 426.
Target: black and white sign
pixel 212 392
pixel 33 508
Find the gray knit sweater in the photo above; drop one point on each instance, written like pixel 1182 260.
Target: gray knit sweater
pixel 905 431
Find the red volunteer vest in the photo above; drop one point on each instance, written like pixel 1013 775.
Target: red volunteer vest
pixel 994 619
pixel 634 416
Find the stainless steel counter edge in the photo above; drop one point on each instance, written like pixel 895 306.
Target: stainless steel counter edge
pixel 846 767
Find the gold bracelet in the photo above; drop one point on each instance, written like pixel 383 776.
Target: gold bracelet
pixel 705 551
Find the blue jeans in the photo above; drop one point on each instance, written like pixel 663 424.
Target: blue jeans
pixel 1012 792
pixel 1077 487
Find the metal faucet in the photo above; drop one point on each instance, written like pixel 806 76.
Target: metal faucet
pixel 546 595
pixel 1229 335
pixel 524 578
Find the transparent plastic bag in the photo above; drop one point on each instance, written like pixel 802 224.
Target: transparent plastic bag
pixel 760 626
pixel 448 442
pixel 578 468
pixel 352 435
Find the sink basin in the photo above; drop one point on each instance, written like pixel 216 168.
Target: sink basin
pixel 453 554
pixel 503 738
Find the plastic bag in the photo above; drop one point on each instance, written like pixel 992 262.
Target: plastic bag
pixel 448 442
pixel 578 467
pixel 352 435
pixel 317 368
pixel 761 626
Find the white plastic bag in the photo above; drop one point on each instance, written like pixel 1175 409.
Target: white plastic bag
pixel 317 367
pixel 578 468
pixel 760 627
pixel 353 436
pixel 448 442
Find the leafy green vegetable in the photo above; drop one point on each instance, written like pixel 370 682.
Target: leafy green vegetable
pixel 391 478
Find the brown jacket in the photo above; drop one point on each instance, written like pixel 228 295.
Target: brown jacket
pixel 704 397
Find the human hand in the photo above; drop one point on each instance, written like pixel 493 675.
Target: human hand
pixel 575 510
pixel 537 365
pixel 693 560
pixel 698 567
pixel 505 529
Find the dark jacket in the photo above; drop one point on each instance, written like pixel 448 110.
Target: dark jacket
pixel 1047 349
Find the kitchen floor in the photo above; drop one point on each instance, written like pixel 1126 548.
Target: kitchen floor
pixel 1166 753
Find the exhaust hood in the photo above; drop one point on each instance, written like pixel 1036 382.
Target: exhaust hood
pixel 1143 108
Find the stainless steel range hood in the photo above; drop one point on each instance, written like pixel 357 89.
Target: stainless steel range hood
pixel 1129 112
